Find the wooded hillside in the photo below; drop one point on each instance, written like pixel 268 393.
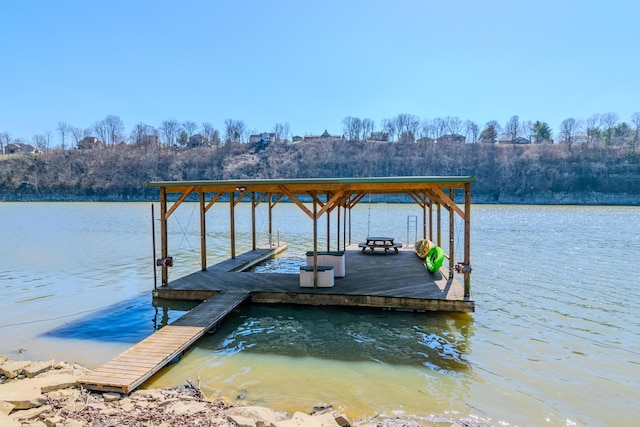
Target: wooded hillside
pixel 538 173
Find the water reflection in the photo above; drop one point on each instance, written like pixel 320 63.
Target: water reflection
pixel 435 341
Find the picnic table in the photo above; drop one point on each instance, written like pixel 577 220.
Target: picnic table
pixel 385 243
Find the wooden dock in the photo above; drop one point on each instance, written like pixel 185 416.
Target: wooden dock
pixel 133 367
pixel 373 279
pixel 379 280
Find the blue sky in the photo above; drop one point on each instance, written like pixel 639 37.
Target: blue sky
pixel 311 64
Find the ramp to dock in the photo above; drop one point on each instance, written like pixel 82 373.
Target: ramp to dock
pixel 133 367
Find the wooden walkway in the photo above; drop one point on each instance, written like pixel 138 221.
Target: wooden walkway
pixel 133 367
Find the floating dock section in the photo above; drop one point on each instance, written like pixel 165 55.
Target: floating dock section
pixel 133 367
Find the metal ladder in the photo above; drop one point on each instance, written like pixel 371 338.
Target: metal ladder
pixel 412 225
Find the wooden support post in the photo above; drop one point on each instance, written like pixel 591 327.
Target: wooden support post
pixel 439 221
pixel 328 230
pixel 431 221
pixel 270 222
pixel 349 225
pixel 153 244
pixel 315 244
pixel 452 218
pixel 338 231
pixel 164 249
pixel 203 233
pixel 424 221
pixel 253 220
pixel 467 240
pixel 232 211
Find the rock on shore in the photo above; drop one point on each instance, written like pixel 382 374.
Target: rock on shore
pixel 45 394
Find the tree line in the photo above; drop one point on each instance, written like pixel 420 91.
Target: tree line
pixel 607 129
pixel 503 171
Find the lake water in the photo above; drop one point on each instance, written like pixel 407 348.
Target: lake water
pixel 554 339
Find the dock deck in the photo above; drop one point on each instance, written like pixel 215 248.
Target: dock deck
pixel 373 279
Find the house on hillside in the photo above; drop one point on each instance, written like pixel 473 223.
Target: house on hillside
pixel 20 148
pixel 89 143
pixel 379 136
pixel 518 140
pixel 150 140
pixel 454 138
pixel 197 140
pixel 324 137
pixel 425 139
pixel 262 138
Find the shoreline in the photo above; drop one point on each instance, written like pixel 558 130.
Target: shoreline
pixel 45 393
pixel 540 199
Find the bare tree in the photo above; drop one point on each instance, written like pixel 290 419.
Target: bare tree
pixel 141 133
pixel 368 126
pixel 526 129
pixel 352 127
pixel 471 130
pixel 115 129
pixel 101 131
pixel 278 130
pixel 77 134
pixel 407 126
pixel 608 121
pixel 170 130
pixel 592 128
pixel 5 139
pixel 63 130
pixel 40 141
pixel 47 136
pixel 568 130
pixel 207 132
pixel 635 119
pixel 454 125
pixel 439 126
pixel 287 129
pixel 389 126
pixel 511 129
pixel 190 127
pixel 234 130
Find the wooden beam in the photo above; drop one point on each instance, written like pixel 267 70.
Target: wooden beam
pixel 295 200
pixel 241 195
pixel 448 202
pixel 355 200
pixel 331 203
pixel 213 200
pixel 179 201
pixel 260 199
pixel 416 198
pixel 315 198
pixel 277 199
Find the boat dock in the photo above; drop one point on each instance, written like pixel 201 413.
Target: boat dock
pixel 395 280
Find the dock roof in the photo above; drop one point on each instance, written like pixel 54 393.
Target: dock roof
pixel 380 185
